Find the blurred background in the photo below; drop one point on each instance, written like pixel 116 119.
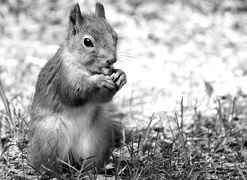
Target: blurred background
pixel 169 49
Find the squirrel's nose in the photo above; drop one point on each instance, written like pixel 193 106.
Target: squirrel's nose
pixel 111 61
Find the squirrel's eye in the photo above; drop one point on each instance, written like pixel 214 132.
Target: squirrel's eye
pixel 88 42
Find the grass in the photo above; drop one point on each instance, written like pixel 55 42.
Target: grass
pixel 209 143
pixel 210 148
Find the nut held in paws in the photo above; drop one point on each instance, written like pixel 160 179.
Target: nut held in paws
pixel 108 71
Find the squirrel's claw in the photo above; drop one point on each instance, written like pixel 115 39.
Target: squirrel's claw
pixel 119 78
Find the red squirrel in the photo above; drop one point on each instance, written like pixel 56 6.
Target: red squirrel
pixel 69 117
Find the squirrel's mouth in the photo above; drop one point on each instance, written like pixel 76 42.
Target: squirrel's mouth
pixel 106 70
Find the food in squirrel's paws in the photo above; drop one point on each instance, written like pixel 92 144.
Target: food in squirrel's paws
pixel 108 71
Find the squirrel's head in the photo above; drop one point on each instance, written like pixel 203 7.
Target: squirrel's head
pixel 91 39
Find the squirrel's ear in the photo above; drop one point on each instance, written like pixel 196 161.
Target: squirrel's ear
pixel 75 18
pixel 99 10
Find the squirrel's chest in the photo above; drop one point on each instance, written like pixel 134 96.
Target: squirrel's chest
pixel 80 125
pixel 78 120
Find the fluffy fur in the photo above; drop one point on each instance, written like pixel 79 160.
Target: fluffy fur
pixel 69 117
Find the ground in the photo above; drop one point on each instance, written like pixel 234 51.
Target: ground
pixel 185 99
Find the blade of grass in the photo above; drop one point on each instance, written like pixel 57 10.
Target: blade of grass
pixel 6 103
pixel 198 174
pixel 181 133
pixel 240 171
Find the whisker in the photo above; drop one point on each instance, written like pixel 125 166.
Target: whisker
pixel 124 51
pixel 126 57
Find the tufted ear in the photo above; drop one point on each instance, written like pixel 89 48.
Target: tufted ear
pixel 99 10
pixel 75 19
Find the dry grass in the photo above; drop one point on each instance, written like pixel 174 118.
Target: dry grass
pixel 212 148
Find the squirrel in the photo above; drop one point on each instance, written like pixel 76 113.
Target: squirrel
pixel 69 116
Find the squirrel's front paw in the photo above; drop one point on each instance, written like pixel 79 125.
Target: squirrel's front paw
pixel 105 87
pixel 106 82
pixel 119 78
